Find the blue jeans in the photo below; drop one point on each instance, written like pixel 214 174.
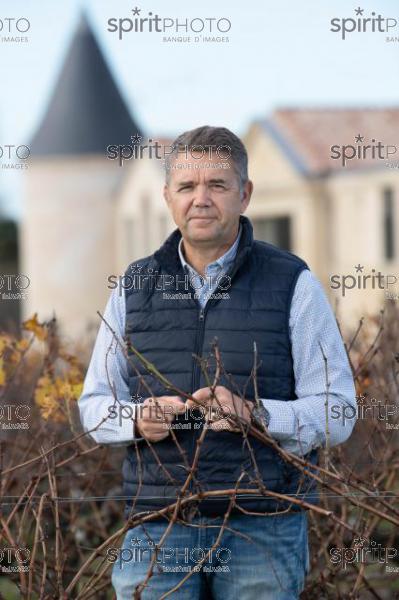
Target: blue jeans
pixel 257 558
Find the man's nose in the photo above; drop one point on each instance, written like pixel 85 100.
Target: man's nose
pixel 201 196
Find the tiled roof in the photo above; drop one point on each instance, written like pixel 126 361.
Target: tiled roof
pixel 307 135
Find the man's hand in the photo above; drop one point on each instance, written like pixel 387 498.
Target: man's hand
pixel 155 416
pixel 223 405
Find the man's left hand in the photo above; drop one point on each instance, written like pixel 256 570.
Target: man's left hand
pixel 220 407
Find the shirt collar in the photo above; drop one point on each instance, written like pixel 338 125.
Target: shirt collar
pixel 222 261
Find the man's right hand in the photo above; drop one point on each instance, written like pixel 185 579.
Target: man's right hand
pixel 155 415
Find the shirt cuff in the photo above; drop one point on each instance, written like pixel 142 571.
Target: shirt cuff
pixel 282 419
pixel 125 430
pixel 127 427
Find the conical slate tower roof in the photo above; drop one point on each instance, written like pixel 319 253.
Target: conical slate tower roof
pixel 86 112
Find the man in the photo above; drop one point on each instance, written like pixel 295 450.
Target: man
pixel 247 304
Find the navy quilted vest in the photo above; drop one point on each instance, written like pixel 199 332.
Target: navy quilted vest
pixel 170 332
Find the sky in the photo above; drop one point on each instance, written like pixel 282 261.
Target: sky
pixel 279 54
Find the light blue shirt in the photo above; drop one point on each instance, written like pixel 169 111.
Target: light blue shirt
pixel 204 286
pixel 299 425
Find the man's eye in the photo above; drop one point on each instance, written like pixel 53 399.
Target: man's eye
pixel 184 188
pixel 218 186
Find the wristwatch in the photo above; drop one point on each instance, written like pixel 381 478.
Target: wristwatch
pixel 261 415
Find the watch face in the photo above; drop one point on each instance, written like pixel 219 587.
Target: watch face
pixel 262 415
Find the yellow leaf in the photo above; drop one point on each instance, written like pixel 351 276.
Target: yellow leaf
pixel 22 345
pixel 3 344
pixel 77 389
pixel 2 372
pixel 38 329
pixel 47 397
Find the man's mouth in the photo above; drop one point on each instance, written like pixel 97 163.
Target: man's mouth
pixel 202 218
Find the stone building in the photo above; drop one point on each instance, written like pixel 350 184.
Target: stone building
pixel 86 217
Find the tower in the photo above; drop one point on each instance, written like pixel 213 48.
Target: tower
pixel 67 231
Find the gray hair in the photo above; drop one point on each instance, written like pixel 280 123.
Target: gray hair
pixel 207 137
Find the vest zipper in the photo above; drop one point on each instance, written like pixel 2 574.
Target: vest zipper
pixel 202 314
pixel 196 379
pixel 198 347
pixel 198 352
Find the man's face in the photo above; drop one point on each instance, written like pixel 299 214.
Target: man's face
pixel 205 199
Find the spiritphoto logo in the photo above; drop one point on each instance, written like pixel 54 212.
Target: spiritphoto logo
pixel 138 279
pixel 14 29
pixel 171 29
pixel 361 150
pixel 363 551
pixel 190 166
pixel 14 287
pixel 14 157
pixel 14 560
pixel 392 164
pixel 153 149
pixel 182 559
pixel 193 415
pixel 361 281
pixel 364 23
pixel 14 416
pixel 366 408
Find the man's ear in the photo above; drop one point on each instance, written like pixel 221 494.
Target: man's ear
pixel 246 195
pixel 166 194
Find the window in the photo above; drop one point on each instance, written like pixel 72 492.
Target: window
pixel 276 231
pixel 389 224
